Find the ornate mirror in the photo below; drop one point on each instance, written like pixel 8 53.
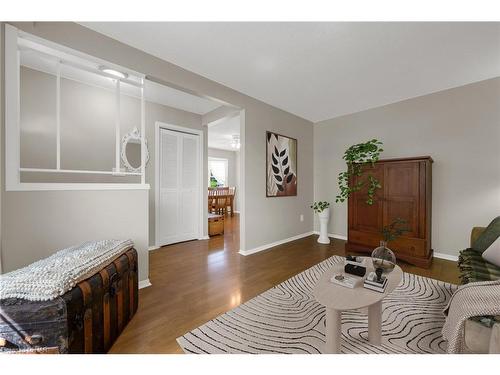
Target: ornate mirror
pixel 131 151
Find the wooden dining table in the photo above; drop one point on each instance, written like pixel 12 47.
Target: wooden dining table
pixel 220 199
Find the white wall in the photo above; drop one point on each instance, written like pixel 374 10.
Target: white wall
pixel 232 169
pixel 458 128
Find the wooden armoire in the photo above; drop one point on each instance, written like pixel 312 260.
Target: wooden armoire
pixel 406 194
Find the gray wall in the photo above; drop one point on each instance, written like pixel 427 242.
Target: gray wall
pixel 39 223
pixel 35 224
pixel 267 219
pixel 459 128
pixel 233 169
pixel 87 131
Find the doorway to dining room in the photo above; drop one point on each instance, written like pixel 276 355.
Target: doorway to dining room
pixel 223 177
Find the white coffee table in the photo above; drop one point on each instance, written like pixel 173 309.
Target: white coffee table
pixel 337 298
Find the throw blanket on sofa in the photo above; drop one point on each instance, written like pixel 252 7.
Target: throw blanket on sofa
pixel 51 277
pixel 474 299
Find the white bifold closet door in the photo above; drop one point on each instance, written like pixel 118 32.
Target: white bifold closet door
pixel 179 194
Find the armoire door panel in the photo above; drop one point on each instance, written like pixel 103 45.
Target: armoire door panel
pixel 402 209
pixel 367 217
pixel 364 216
pixel 401 180
pixel 401 195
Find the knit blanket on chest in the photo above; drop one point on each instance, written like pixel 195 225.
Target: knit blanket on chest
pixel 473 299
pixel 51 277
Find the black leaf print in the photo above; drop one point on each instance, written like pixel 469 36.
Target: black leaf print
pixel 285 161
pixel 268 137
pixel 286 170
pixel 276 151
pixel 278 177
pixel 282 153
pixel 275 169
pixel 289 178
pixel 276 136
pixel 280 187
pixel 275 161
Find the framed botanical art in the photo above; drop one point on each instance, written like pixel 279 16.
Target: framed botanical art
pixel 281 165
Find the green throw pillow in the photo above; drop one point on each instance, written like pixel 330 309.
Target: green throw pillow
pixel 490 234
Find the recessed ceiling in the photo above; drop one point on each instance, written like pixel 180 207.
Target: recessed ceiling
pixel 220 133
pixel 323 70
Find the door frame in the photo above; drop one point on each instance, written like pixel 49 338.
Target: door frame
pixel 202 217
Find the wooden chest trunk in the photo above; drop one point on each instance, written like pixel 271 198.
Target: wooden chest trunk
pixel 86 319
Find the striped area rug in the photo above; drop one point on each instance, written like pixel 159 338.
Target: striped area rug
pixel 287 319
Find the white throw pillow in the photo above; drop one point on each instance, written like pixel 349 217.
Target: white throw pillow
pixel 492 253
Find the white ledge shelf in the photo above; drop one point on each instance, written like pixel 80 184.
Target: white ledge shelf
pixel 78 171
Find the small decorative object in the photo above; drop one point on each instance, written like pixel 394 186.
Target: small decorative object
pixel 355 269
pixel 376 281
pixel 131 151
pixel 357 261
pixel 345 280
pixel 360 158
pixel 281 165
pixel 322 208
pixel 382 256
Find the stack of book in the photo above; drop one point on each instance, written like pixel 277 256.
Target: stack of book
pixel 374 284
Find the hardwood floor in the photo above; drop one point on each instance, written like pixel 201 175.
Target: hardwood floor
pixel 196 281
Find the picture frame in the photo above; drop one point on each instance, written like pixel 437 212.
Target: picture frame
pixel 281 165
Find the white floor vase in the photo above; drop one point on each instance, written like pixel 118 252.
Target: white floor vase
pixel 323 217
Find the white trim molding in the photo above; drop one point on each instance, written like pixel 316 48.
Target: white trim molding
pixel 453 258
pixel 154 247
pixel 273 244
pixel 332 235
pixel 144 283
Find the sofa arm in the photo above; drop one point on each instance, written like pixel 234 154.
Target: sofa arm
pixel 495 339
pixel 475 233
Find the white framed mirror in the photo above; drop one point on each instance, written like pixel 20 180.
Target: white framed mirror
pixel 131 151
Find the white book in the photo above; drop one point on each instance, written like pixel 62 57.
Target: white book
pixel 375 288
pixel 345 280
pixel 376 283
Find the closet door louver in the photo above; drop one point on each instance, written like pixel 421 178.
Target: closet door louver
pixel 179 187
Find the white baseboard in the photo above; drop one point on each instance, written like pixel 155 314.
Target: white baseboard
pixel 203 238
pixel 337 236
pixel 273 244
pixel 144 283
pixel 151 248
pixel 453 258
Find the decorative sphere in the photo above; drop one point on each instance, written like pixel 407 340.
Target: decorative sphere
pixel 384 258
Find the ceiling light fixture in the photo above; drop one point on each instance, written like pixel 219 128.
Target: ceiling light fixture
pixel 235 142
pixel 113 72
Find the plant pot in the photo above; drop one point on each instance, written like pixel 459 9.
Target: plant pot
pixel 324 216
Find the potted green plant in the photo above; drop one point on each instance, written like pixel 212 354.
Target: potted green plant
pixel 360 159
pixel 322 208
pixel 382 257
